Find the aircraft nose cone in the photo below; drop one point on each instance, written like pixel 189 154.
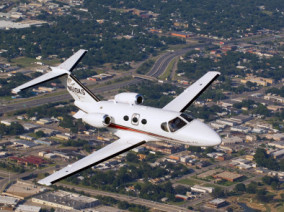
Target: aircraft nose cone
pixel 204 134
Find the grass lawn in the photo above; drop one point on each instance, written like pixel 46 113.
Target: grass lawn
pixel 27 62
pixel 188 181
pixel 24 62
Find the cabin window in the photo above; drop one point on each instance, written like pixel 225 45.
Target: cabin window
pixel 144 121
pixel 164 126
pixel 176 124
pixel 186 117
pixel 126 118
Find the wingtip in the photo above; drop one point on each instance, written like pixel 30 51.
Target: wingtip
pixel 15 91
pixel 43 182
pixel 215 72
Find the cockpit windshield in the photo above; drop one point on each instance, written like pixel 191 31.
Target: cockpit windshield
pixel 186 117
pixel 176 124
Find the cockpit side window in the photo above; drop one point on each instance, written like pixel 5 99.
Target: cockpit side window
pixel 186 117
pixel 176 124
pixel 164 126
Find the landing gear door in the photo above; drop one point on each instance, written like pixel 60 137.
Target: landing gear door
pixel 135 119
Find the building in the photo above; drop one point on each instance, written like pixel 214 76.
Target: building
pixel 24 143
pixel 44 121
pixel 66 200
pixel 216 203
pixel 279 144
pixel 241 119
pixel 202 189
pixel 5 201
pixel 27 208
pixel 63 137
pixel 183 197
pixel 226 122
pixel 41 142
pixel 276 137
pixel 26 137
pixel 181 34
pixel 229 176
pixel 242 129
pixel 7 122
pixel 139 149
pixel 274 98
pixel 30 127
pixel 29 160
pixel 278 154
pixel 258 80
pixel 47 132
pixel 231 140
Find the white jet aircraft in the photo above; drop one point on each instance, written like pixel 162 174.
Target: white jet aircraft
pixel 132 122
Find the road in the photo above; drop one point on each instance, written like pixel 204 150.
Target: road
pixel 158 69
pixel 135 200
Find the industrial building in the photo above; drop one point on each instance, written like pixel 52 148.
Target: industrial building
pixel 201 189
pixel 24 143
pixel 65 200
pixel 8 201
pixel 232 177
pixel 216 203
pixel 28 208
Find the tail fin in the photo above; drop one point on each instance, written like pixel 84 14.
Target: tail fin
pixel 77 90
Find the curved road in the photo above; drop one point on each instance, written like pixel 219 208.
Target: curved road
pixel 158 69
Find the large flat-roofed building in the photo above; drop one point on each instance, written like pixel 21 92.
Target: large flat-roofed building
pixel 30 127
pixel 201 189
pixel 8 201
pixel 276 137
pixel 258 80
pixel 279 144
pixel 230 176
pixel 7 122
pixel 24 143
pixel 217 203
pixel 66 200
pixel 28 208
pixel 232 140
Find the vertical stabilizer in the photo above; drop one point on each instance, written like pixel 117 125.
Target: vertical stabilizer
pixel 78 91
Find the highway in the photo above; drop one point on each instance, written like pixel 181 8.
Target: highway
pixel 158 69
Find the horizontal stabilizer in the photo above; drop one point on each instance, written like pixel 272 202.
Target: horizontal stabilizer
pixel 63 69
pixel 41 79
pixel 79 114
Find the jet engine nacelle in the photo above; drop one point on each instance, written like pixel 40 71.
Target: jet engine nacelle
pixel 98 120
pixel 129 98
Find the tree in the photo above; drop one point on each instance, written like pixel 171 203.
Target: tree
pixel 181 189
pixel 240 187
pixel 132 157
pixel 194 148
pixel 264 160
pixel 40 134
pixel 252 188
pixel 218 193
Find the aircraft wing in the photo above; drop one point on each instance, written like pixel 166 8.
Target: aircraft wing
pixel 117 147
pixel 189 95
